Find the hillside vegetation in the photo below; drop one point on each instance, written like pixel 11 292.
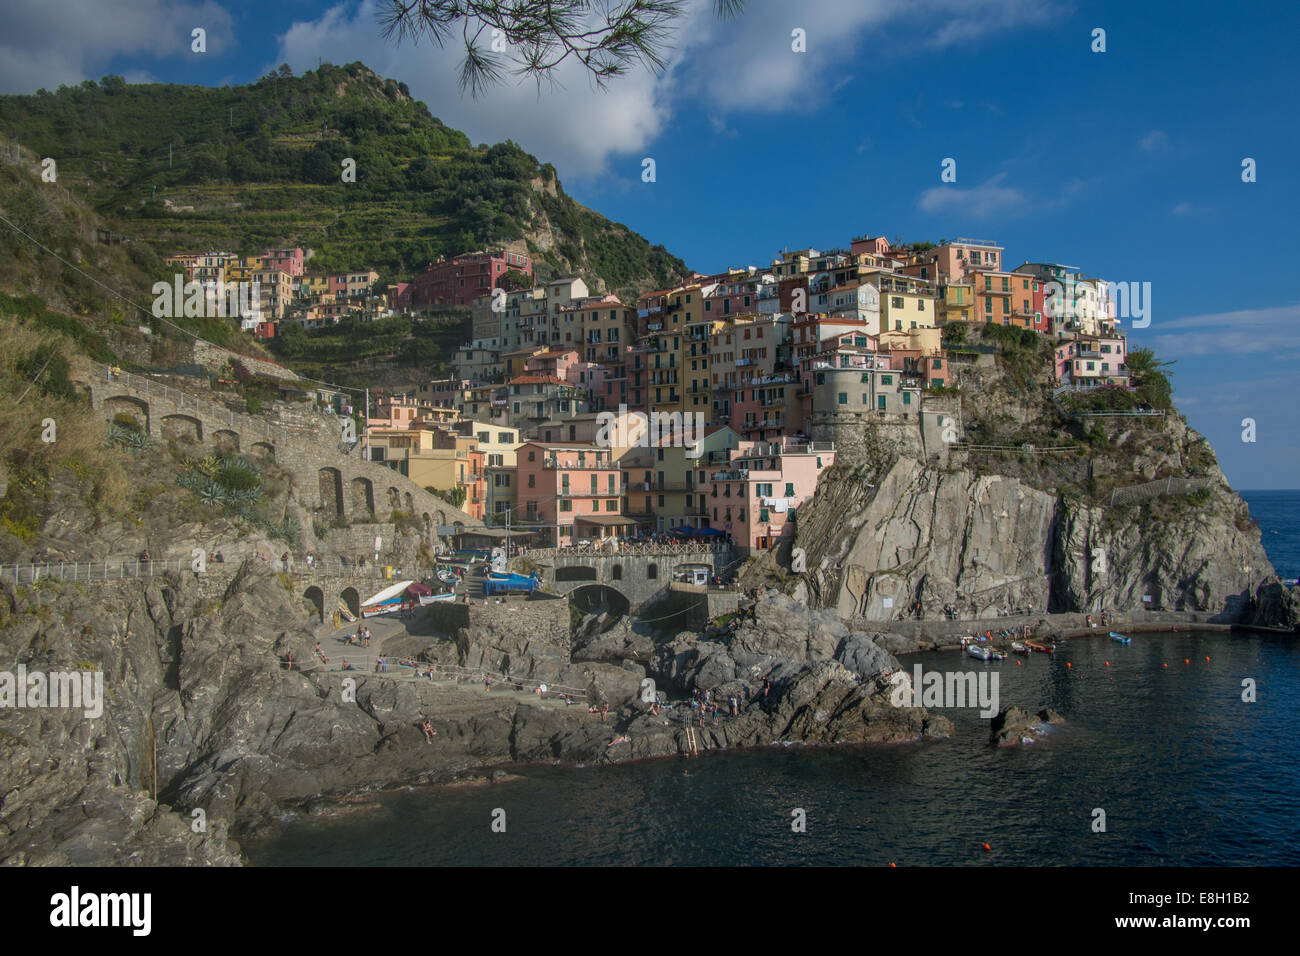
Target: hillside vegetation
pixel 241 168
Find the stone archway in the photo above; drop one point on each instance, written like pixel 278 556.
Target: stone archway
pixel 182 426
pixel 652 572
pixel 226 441
pixel 137 408
pixel 394 499
pixel 264 450
pixel 352 600
pixel 593 598
pixel 316 598
pixel 362 500
pixel 331 491
pixel 617 572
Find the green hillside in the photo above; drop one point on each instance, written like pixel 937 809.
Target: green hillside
pixel 244 167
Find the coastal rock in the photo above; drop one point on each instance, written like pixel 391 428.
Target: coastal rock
pixel 1014 725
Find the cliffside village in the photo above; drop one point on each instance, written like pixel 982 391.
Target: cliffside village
pixel 571 416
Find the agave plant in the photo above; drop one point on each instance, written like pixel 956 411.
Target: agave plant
pixel 213 493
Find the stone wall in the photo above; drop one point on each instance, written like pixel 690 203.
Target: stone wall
pixel 214 357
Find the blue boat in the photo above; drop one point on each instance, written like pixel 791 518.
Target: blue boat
pixel 1120 638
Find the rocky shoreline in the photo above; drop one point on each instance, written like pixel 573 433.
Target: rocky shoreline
pixel 201 708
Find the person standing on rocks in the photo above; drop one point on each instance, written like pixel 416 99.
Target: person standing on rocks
pixel 604 710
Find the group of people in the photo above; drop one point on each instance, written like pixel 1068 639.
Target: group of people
pixel 361 638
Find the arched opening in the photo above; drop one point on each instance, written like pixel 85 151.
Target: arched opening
pixel 442 518
pixel 331 491
pixel 652 572
pixel 595 598
pixel 575 572
pixel 362 500
pixel 394 499
pixel 618 572
pixel 264 450
pixel 352 600
pixel 182 426
pixel 316 598
pixel 226 441
pixel 137 408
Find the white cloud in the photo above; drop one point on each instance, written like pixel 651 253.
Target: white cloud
pixel 979 202
pixel 1245 332
pixel 576 126
pixel 1154 140
pixel 48 43
pixel 741 64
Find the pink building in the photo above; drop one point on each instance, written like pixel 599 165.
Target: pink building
pixel 283 260
pixel 556 362
pixel 1090 361
pixel 569 490
pixel 764 483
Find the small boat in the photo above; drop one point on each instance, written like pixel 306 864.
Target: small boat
pixel 1040 647
pixel 386 601
pixel 446 576
pixel 1019 647
pixel 979 652
pixel 996 655
pixel 435 598
pixel 1121 638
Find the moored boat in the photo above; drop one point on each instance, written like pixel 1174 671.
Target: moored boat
pixel 1121 638
pixel 1019 647
pixel 1040 647
pixel 979 652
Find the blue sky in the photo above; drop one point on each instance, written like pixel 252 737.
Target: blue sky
pixel 1125 163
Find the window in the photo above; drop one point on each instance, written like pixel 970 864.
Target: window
pixel 895 301
pixel 532 455
pixel 844 398
pixel 880 402
pixel 789 489
pixel 886 380
pixel 566 504
pixel 907 398
pixel 652 572
pixel 821 378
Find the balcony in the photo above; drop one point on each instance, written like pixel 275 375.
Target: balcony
pixel 739 475
pixel 551 464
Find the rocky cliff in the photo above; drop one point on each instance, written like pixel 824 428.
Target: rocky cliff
pixel 930 542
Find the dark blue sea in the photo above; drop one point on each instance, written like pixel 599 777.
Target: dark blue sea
pixel 1158 737
pixel 1278 514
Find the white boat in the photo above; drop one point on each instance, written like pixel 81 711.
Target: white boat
pixel 1019 647
pixel 435 598
pixel 979 651
pixel 387 600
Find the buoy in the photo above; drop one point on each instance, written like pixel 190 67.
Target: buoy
pixel 987 848
pixel 1068 664
pixel 1166 666
pixel 1108 663
pixel 1017 663
pixel 893 864
pixel 1207 657
pixel 1186 661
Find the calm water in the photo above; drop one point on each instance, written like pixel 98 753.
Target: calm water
pixel 1187 773
pixel 1278 514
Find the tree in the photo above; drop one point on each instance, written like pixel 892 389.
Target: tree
pixel 532 39
pixel 1150 378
